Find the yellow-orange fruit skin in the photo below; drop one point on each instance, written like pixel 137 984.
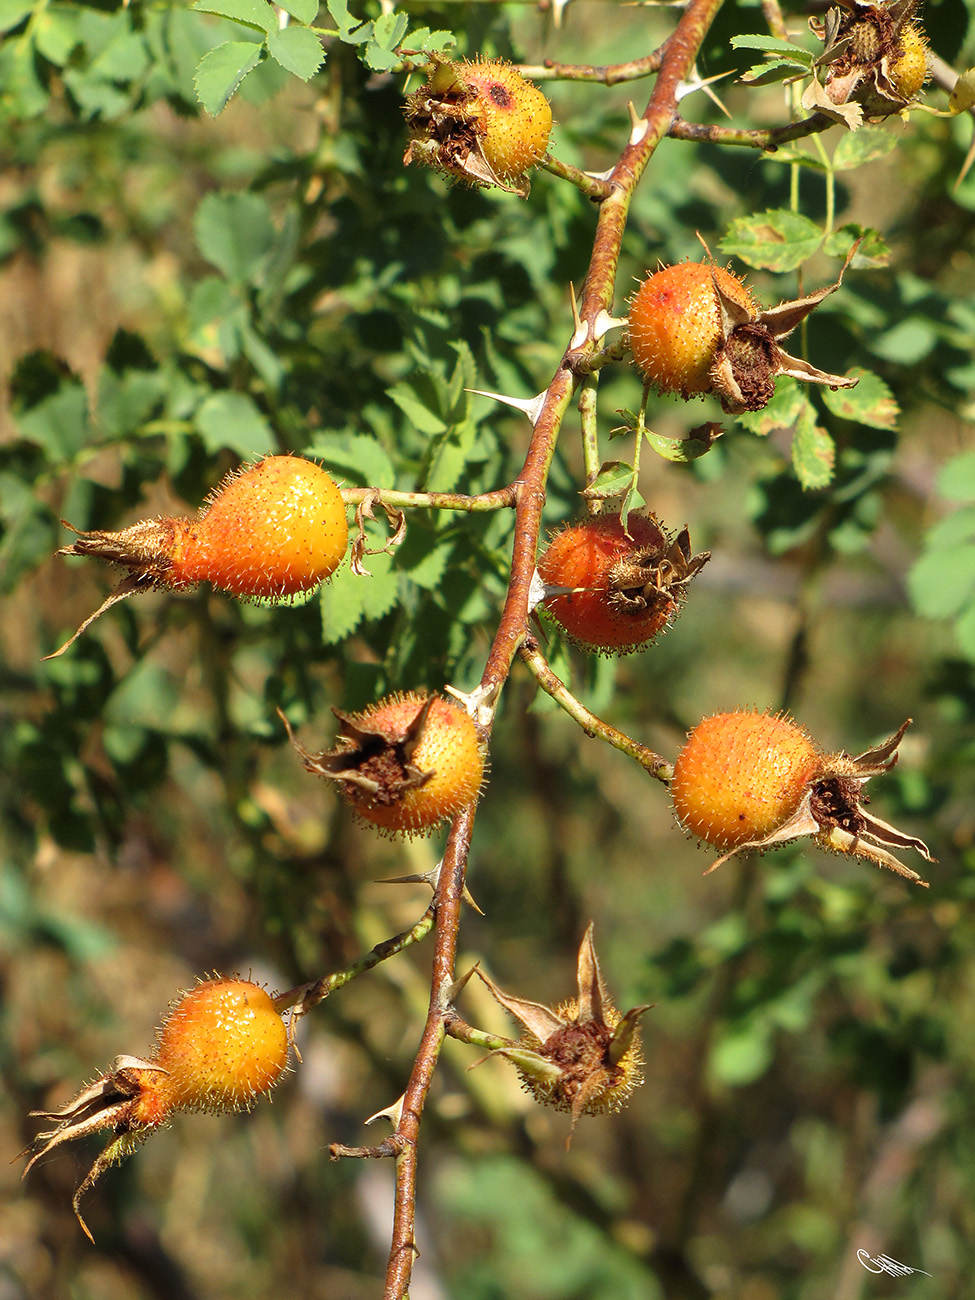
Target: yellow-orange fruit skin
pixel 740 776
pixel 675 325
pixel 273 530
pixel 515 115
pixel 581 556
pixel 223 1045
pixel 909 71
pixel 448 747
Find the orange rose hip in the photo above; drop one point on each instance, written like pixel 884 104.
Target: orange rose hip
pixel 628 581
pixel 405 764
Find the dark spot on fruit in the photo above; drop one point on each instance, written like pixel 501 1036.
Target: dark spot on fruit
pixel 499 95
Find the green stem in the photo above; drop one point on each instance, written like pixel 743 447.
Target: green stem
pixel 538 666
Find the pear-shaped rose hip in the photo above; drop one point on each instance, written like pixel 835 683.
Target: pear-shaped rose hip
pixel 750 780
pixel 627 583
pixel 274 529
pixel 223 1045
pixel 405 764
pixel 481 122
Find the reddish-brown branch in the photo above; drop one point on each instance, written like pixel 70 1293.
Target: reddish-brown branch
pixel 449 896
pixel 675 66
pixel 769 140
pixel 608 74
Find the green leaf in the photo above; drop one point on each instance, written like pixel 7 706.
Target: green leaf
pixel 59 424
pixel 782 411
pixel 306 11
pixel 297 49
pixel 678 450
pixel 777 240
pixel 235 233
pixel 29 533
pixel 613 479
pixel 424 419
pixel 379 58
pixel 233 420
pixel 741 1055
pixel 220 72
pixel 13 12
pixel 348 26
pixel 772 45
pixel 347 599
pixel 388 30
pixel 873 250
pixel 766 74
pixel 956 480
pixel 360 457
pixel 813 452
pixel 253 13
pixel 871 402
pixel 942 583
pixel 869 144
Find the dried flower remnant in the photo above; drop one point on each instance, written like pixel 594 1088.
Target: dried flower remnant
pixel 874 59
pixel 581 1056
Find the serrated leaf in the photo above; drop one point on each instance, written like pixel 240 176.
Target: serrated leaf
pixel 379 58
pixel 871 402
pixel 388 29
pixel 868 144
pixel 813 452
pixel 772 45
pixel 679 451
pixel 358 455
pixel 347 599
pixel 219 73
pixel 347 25
pixel 873 250
pixel 306 11
pixel 781 412
pixel 777 240
pixel 409 403
pixel 766 74
pixel 254 13
pixel 298 50
pixel 233 420
pixel 614 477
pixel 234 232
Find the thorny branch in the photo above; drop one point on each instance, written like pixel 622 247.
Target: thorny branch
pixel 674 65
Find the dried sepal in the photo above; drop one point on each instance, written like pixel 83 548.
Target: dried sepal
pixel 749 357
pixel 128 1099
pixel 654 578
pixel 581 1056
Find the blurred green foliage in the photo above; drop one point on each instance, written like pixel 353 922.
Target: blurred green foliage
pixel 180 292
